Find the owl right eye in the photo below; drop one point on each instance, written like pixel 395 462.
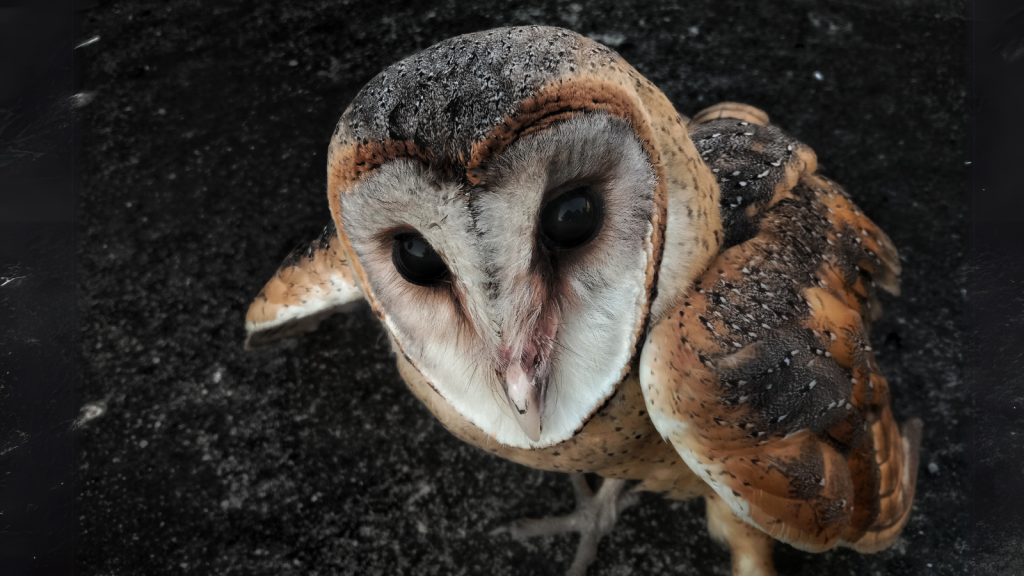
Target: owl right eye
pixel 417 261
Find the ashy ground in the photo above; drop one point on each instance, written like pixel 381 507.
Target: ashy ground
pixel 203 154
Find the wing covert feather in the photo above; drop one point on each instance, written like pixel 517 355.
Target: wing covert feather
pixel 312 283
pixel 763 378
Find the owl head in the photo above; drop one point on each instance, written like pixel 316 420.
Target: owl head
pixel 517 205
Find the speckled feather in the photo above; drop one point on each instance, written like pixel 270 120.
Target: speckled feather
pixel 763 378
pixel 509 65
pixel 312 283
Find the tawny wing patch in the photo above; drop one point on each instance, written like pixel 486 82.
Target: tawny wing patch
pixel 764 379
pixel 312 283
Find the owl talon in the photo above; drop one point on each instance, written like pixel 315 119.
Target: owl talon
pixel 594 518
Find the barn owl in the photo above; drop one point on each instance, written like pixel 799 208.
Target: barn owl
pixel 577 278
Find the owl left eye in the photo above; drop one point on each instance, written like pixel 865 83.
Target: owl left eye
pixel 417 261
pixel 571 219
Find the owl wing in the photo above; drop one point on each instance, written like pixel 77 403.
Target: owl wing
pixel 763 378
pixel 313 282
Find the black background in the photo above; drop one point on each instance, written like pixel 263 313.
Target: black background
pixel 202 134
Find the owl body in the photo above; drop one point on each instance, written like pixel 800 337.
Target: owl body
pixel 577 278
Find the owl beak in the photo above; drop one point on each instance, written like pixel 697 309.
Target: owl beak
pixel 525 396
pixel 524 369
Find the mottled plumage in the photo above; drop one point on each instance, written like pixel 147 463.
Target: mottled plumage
pixel 709 340
pixel 764 378
pixel 312 283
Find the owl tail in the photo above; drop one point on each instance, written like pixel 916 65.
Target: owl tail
pixel 896 505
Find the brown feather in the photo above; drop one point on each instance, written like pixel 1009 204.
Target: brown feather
pixel 313 282
pixel 767 365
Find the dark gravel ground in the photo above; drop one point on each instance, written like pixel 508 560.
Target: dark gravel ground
pixel 203 161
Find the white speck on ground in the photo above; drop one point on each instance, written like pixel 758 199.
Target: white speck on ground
pixel 82 98
pixel 88 42
pixel 572 16
pixel 423 491
pixel 612 39
pixel 91 411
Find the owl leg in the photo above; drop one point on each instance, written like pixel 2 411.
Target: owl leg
pixel 594 518
pixel 751 548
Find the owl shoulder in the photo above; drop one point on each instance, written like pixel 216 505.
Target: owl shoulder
pixel 763 377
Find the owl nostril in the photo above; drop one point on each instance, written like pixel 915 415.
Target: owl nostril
pixel 527 360
pixel 531 355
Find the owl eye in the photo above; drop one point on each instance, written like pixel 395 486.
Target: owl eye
pixel 417 261
pixel 571 219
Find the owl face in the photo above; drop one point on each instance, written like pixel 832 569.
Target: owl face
pixel 517 297
pixel 506 203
